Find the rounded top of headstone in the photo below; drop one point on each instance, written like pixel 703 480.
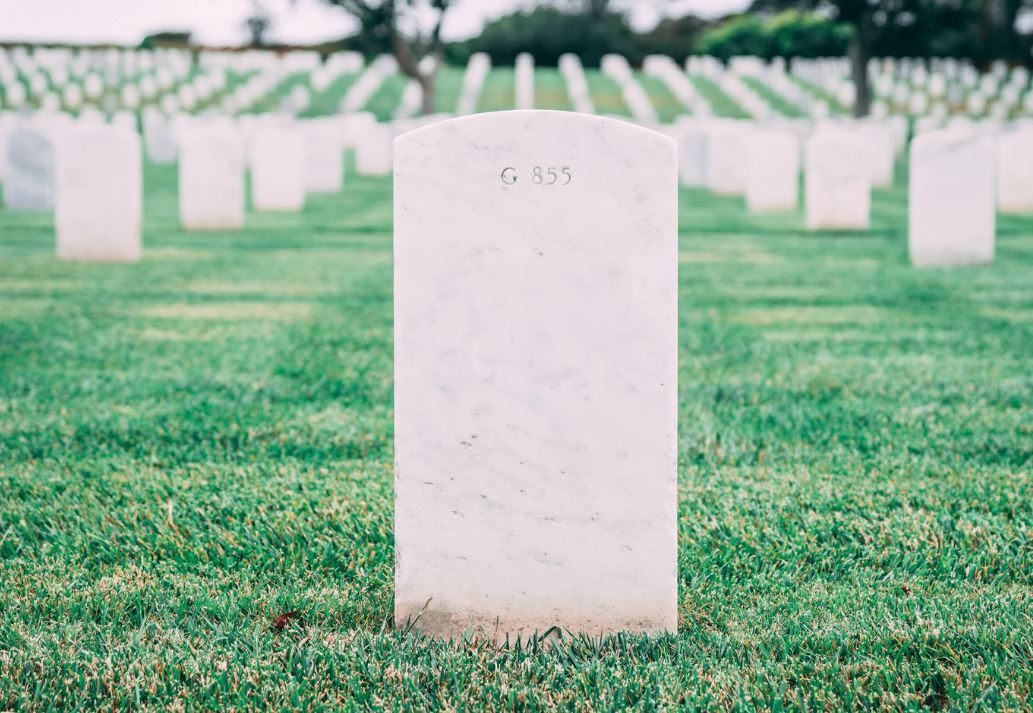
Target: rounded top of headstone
pixel 507 122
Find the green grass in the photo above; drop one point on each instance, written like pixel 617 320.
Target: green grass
pixel 775 100
pixel 447 87
pixel 668 107
pixel 606 94
pixel 820 93
pixel 722 104
pixel 328 101
pixel 194 444
pixel 384 102
pixel 499 90
pixel 550 90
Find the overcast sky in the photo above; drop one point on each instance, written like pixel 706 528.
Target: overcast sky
pixel 221 21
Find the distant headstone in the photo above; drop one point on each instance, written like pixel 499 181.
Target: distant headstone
pixel 324 156
pixel 536 376
pixel 29 176
pixel 951 212
pixel 837 181
pixel 524 81
pixel 772 171
pixel 211 179
pixel 693 142
pixel 373 153
pixel 159 138
pixel 1015 171
pixel 355 127
pixel 726 157
pixel 99 194
pixel 278 170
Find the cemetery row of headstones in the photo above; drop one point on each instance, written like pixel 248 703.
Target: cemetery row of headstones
pixel 760 159
pixel 91 174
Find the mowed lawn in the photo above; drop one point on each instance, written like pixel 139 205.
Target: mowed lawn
pixel 198 443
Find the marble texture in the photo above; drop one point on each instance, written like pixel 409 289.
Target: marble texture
pixel 211 178
pixel 535 376
pixel 951 209
pixel 324 156
pixel 837 181
pixel 98 185
pixel 278 169
pixel 1015 171
pixel 29 168
pixel 772 171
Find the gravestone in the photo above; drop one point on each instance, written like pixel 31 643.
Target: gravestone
pixel 355 127
pixel 1015 171
pixel 324 156
pixel 772 171
pixel 535 376
pixel 211 178
pixel 278 171
pixel 693 140
pixel 159 138
pixel 98 188
pixel 29 169
pixel 727 142
pixel 373 153
pixel 951 211
pixel 837 181
pixel 524 81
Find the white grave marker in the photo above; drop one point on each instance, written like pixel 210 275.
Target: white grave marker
pixel 374 150
pixel 951 212
pixel 98 186
pixel 837 181
pixel 772 171
pixel 211 178
pixel 29 169
pixel 278 169
pixel 324 156
pixel 536 376
pixel 1015 171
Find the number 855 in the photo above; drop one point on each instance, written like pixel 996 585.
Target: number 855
pixel 548 176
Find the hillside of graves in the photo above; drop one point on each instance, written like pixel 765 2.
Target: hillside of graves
pixel 197 498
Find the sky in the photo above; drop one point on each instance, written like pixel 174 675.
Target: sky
pixel 221 22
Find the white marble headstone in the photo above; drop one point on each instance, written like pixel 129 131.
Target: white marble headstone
pixel 726 157
pixel 837 181
pixel 951 211
pixel 373 151
pixel 99 194
pixel 278 169
pixel 211 178
pixel 693 142
pixel 535 376
pixel 772 171
pixel 29 169
pixel 324 156
pixel 1015 171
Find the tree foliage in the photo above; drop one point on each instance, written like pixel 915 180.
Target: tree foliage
pixel 395 27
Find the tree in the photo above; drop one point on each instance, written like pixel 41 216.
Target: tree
pixel 869 19
pixel 549 31
pixel 258 24
pixel 400 27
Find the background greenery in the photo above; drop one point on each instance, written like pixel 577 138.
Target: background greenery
pixel 198 443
